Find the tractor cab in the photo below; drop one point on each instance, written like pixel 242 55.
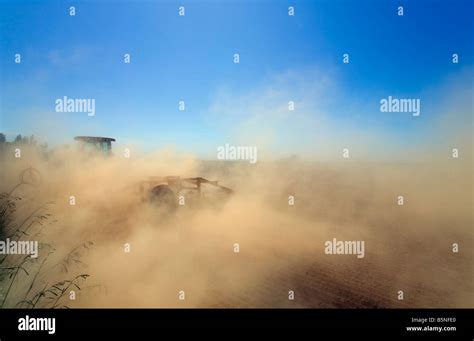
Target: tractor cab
pixel 92 144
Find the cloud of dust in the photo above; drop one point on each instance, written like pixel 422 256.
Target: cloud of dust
pixel 193 250
pixel 280 246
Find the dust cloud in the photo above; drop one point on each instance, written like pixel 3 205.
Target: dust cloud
pixel 252 249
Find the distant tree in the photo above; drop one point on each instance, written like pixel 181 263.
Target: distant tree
pixel 18 138
pixel 3 138
pixel 32 140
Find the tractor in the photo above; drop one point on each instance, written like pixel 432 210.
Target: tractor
pixel 165 191
pixel 95 143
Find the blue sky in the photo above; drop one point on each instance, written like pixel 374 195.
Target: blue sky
pixel 190 58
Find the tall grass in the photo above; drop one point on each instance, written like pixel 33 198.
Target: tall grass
pixel 24 281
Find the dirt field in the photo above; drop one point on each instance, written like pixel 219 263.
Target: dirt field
pixel 281 247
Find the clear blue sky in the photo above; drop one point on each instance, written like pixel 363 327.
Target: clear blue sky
pixel 190 58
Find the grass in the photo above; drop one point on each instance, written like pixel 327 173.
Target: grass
pixel 34 272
